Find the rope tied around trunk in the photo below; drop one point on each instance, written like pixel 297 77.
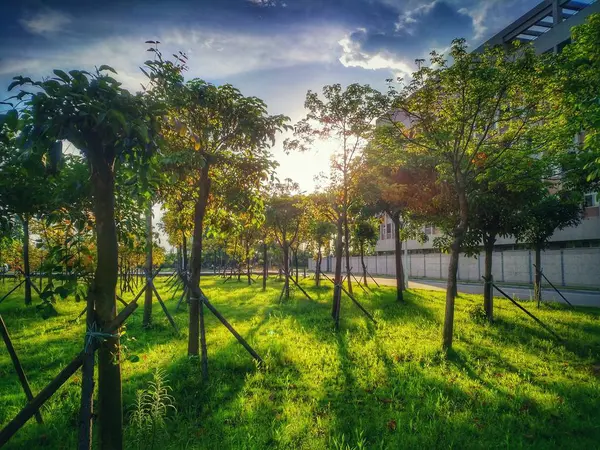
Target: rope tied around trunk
pixel 99 336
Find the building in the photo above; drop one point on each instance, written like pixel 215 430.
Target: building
pixel 573 257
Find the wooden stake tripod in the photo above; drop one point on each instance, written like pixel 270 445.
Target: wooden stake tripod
pixel 27 281
pixel 148 285
pixel 297 285
pixel 36 402
pixel 356 302
pixel 204 301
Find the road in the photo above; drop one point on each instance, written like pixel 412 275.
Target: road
pixel 575 297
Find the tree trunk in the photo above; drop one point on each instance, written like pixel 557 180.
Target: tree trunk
pixel 362 261
pixel 451 287
pixel 185 253
pixel 26 268
pixel 148 294
pixel 347 249
pixel 318 268
pixel 286 269
pixel 537 288
pixel 488 298
pixel 296 263
pixel 248 267
pixel 196 324
pixel 398 259
pixel 265 267
pixel 337 279
pixel 103 290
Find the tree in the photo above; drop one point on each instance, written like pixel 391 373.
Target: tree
pixel 110 127
pixel 320 232
pixel 550 211
pixel 347 117
pixel 178 197
pixel 365 232
pixel 499 205
pixel 212 128
pixel 326 203
pixel 467 116
pixel 579 83
pixel 26 186
pixel 284 213
pixel 390 183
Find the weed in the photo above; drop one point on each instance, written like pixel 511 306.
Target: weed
pixel 151 407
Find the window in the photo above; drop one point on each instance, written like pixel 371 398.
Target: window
pixel 382 231
pixel 579 138
pixel 389 231
pixel 589 200
pixel 429 229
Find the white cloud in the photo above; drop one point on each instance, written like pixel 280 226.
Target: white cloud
pixel 407 20
pixel 479 15
pixel 491 16
pixel 354 56
pixel 45 22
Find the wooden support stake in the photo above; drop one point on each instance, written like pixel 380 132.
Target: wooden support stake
pixel 164 308
pixel 120 300
pixel 12 290
pixel 559 293
pixel 358 282
pixel 542 324
pixel 86 409
pixel 18 366
pixel 300 287
pixel 281 294
pixel 232 330
pixel 185 289
pixel 374 280
pixel 177 286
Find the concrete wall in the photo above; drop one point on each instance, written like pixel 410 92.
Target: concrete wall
pixel 588 229
pixel 567 267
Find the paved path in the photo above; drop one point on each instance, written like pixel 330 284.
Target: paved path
pixel 576 297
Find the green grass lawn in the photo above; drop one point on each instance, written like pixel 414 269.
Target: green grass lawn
pixel 367 386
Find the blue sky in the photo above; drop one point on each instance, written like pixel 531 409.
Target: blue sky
pixel 274 49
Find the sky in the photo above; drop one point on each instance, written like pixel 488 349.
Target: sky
pixel 273 49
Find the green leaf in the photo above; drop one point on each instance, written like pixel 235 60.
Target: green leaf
pixel 118 115
pixel 134 358
pixel 62 75
pixel 62 291
pixel 105 67
pixel 46 294
pixel 13 84
pixel 143 132
pixel 12 119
